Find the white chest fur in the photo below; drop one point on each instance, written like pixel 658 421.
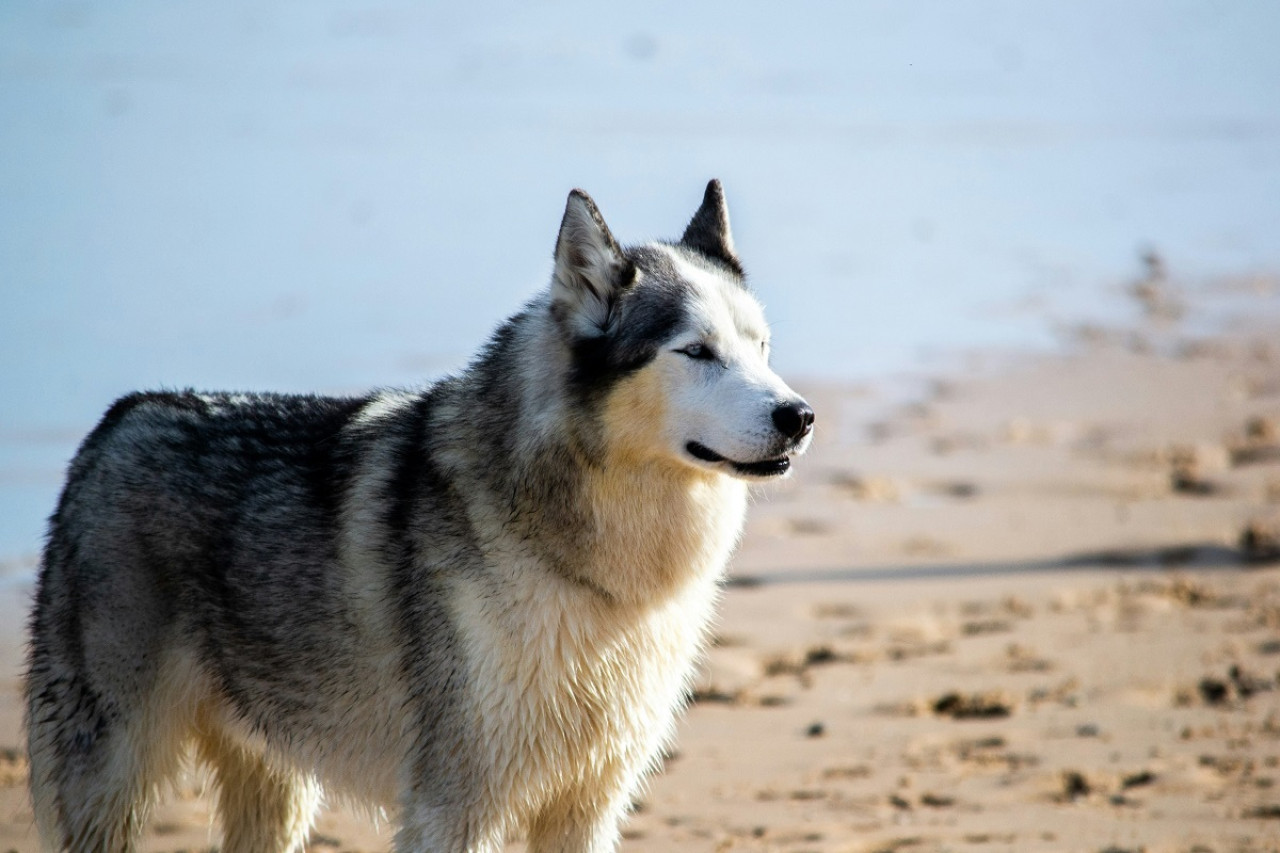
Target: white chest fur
pixel 576 692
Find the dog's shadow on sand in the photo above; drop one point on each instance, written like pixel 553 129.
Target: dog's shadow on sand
pixel 1211 556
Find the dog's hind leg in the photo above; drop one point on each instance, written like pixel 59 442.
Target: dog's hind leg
pixel 96 766
pixel 262 809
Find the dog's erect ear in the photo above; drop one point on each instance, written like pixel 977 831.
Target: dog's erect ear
pixel 708 231
pixel 590 269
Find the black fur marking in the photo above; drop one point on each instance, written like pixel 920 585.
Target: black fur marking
pixel 646 316
pixel 417 481
pixel 410 481
pixel 427 537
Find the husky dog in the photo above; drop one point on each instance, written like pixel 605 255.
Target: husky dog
pixel 476 605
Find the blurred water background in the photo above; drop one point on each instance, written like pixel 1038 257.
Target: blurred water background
pixel 330 196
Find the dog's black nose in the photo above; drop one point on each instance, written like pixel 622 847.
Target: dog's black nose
pixel 794 420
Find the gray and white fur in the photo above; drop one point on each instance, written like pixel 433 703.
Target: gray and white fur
pixel 475 606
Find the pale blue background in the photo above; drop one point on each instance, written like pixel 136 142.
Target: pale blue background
pixel 332 195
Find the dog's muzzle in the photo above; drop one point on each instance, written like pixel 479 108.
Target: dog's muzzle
pixel 794 423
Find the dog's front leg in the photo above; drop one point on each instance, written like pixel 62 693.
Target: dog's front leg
pixel 578 826
pixel 443 829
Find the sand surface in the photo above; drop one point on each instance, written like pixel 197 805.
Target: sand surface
pixel 1034 607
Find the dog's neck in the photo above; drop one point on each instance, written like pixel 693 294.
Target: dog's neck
pixel 637 534
pixel 652 533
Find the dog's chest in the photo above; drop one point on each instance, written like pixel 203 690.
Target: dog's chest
pixel 570 691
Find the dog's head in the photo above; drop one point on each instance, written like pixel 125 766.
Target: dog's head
pixel 669 351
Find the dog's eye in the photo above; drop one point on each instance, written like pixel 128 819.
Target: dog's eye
pixel 700 352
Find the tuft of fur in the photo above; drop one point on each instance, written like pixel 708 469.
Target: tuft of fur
pixel 476 606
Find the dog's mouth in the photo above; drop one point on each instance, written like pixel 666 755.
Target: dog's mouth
pixel 764 468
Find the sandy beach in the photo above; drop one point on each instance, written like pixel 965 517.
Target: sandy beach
pixel 1024 592
pixel 1034 607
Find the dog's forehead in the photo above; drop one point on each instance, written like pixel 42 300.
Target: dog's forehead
pixel 712 299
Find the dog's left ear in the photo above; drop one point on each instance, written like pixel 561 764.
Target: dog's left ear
pixel 708 231
pixel 591 269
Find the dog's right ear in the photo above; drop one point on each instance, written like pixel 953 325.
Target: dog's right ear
pixel 590 271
